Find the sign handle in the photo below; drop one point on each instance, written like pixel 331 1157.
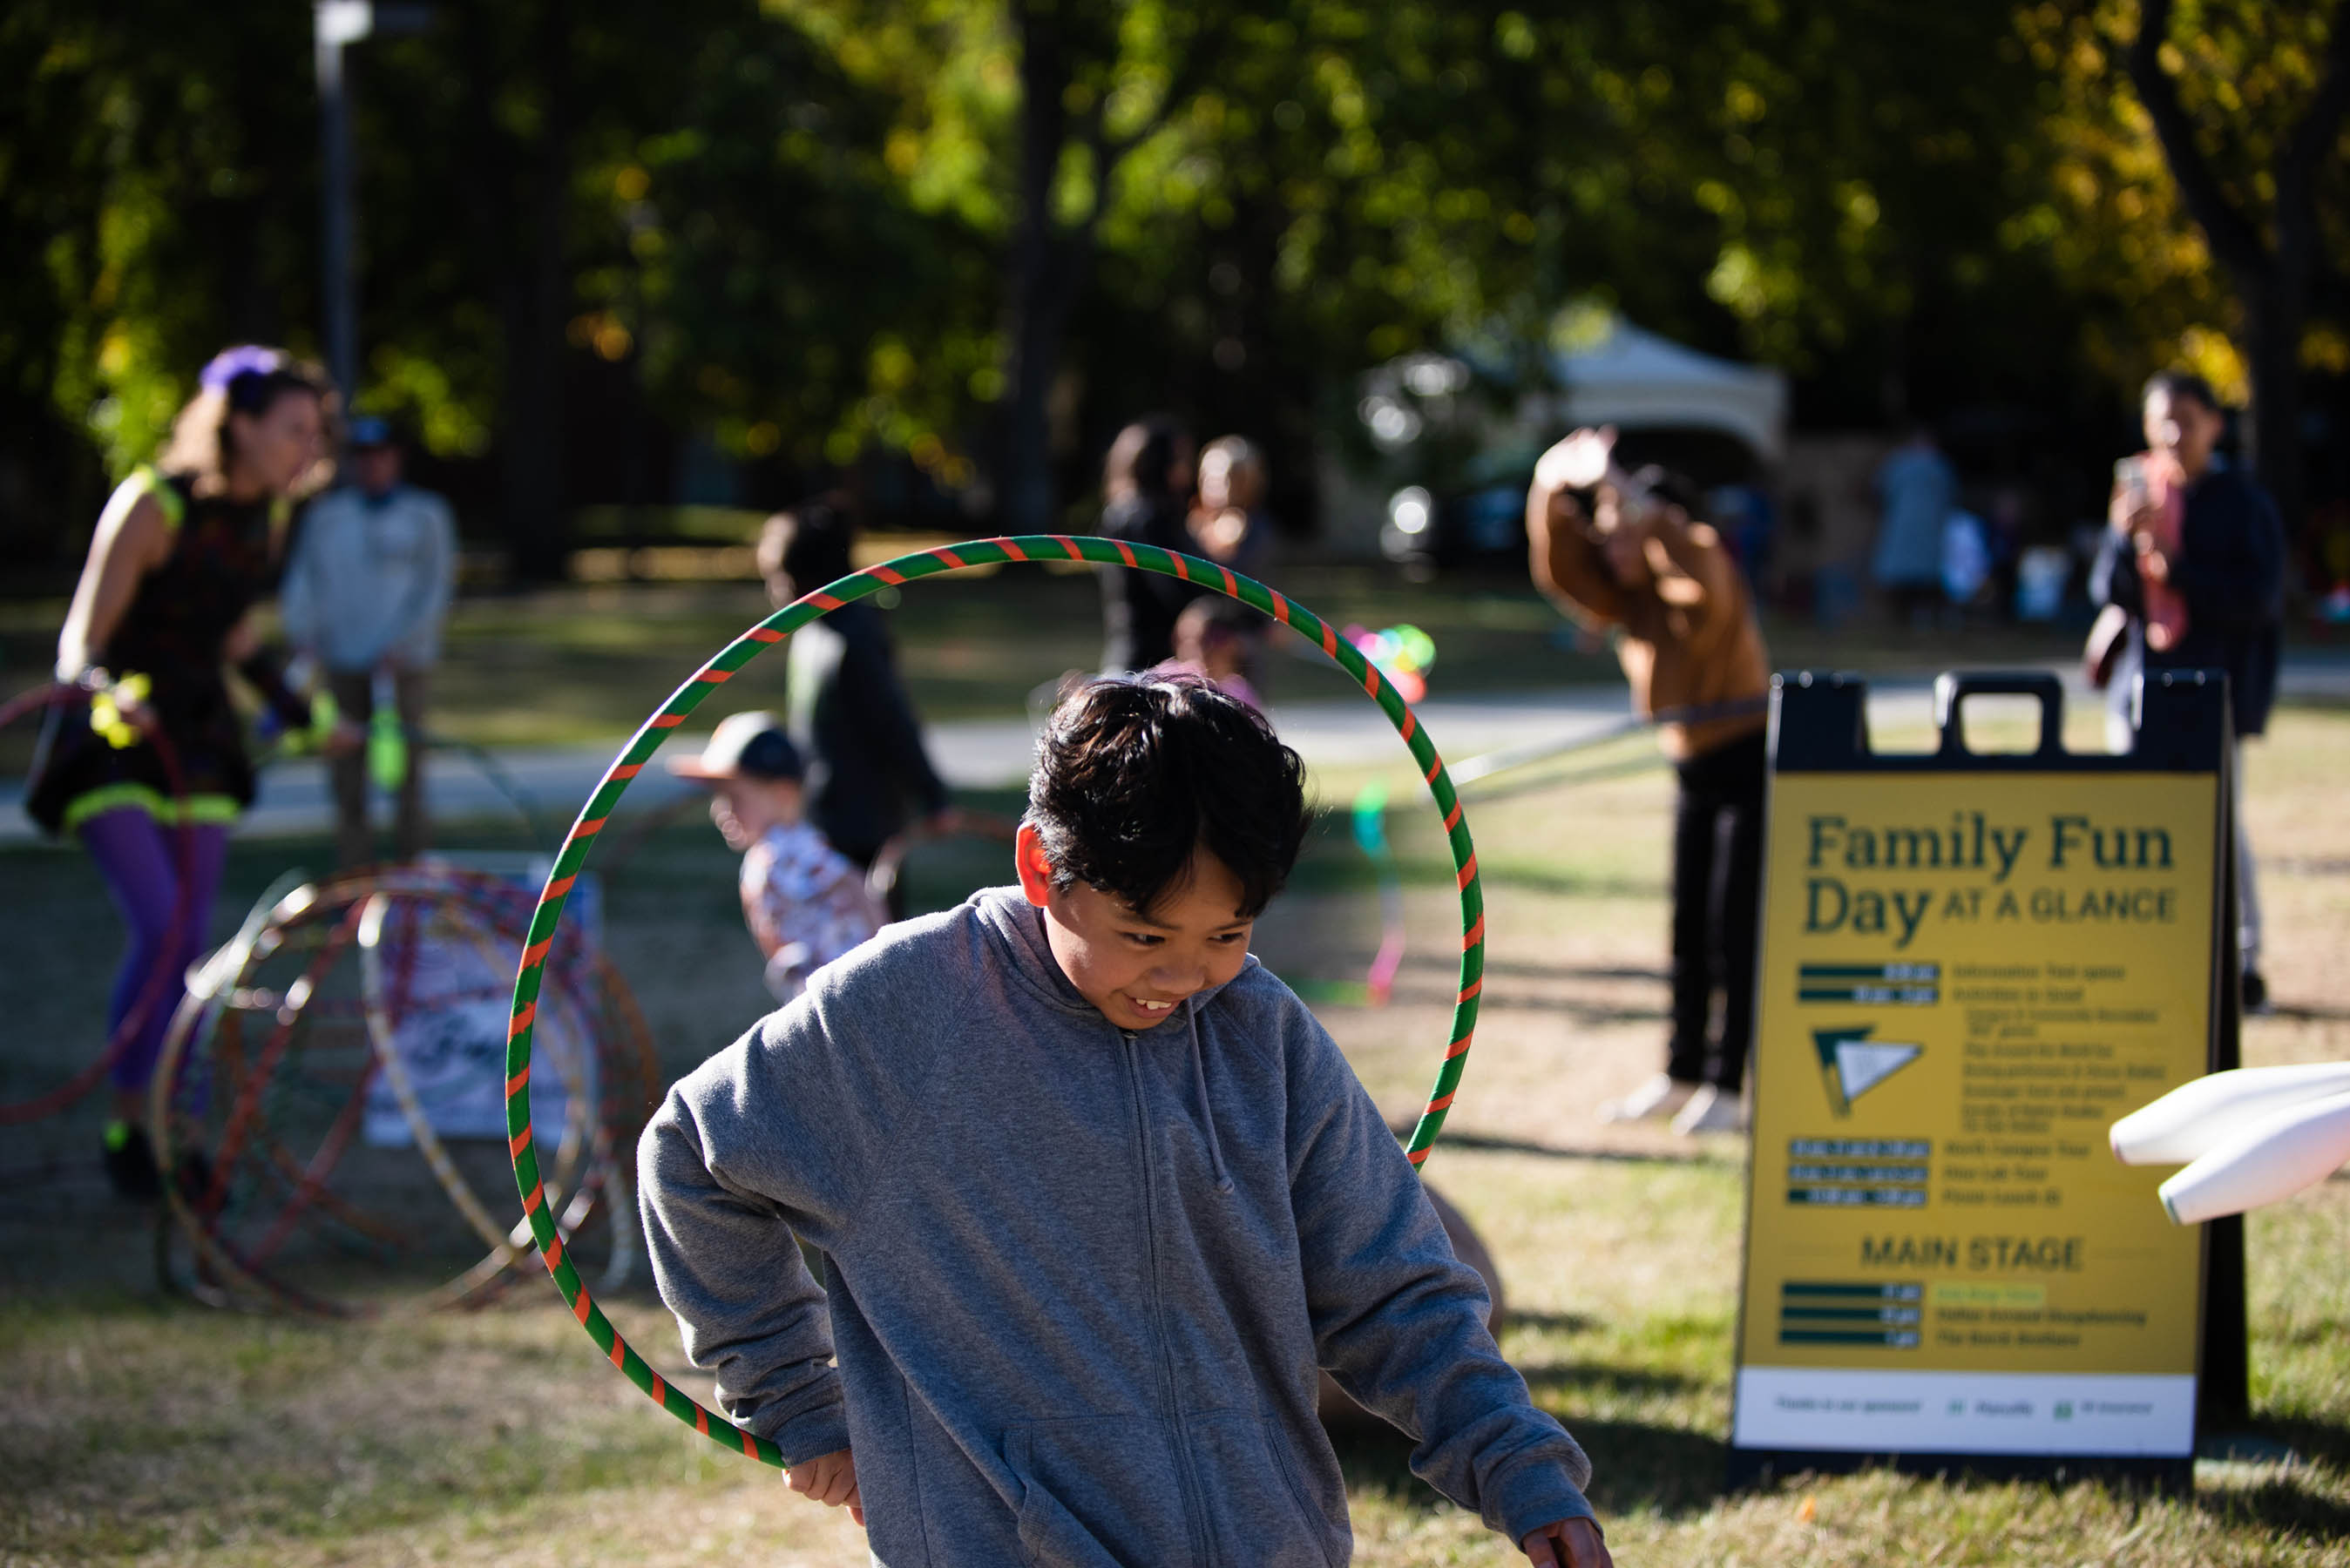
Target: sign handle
pixel 1952 690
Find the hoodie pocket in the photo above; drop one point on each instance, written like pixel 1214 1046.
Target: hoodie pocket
pixel 1257 1511
pixel 1097 1493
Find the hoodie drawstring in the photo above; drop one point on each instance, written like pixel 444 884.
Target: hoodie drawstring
pixel 1206 1110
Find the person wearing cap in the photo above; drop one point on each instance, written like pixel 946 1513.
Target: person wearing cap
pixel 805 903
pixel 365 595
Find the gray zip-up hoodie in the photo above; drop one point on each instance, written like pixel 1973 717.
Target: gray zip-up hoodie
pixel 1081 1278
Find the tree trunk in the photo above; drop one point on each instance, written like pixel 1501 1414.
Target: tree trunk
pixel 2271 281
pixel 2274 317
pixel 538 298
pixel 1037 311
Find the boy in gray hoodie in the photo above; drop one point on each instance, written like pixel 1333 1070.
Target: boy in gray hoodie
pixel 1099 1197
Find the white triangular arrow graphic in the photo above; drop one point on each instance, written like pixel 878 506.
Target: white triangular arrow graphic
pixel 1862 1064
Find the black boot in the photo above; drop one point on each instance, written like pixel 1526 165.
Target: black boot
pixel 131 1162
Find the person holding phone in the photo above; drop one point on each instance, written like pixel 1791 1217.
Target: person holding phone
pixel 2194 565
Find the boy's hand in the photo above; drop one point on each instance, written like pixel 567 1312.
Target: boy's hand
pixel 1568 1543
pixel 831 1480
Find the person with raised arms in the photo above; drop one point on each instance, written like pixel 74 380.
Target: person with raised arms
pixel 1638 565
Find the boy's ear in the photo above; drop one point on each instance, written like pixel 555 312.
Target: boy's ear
pixel 1035 871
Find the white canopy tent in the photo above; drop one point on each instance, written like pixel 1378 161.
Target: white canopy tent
pixel 1636 381
pixel 1604 372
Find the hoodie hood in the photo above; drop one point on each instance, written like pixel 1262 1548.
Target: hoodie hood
pixel 1028 954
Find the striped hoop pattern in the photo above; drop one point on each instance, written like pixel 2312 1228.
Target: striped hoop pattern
pixel 1031 547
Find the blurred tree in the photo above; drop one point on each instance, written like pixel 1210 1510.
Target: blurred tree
pixel 805 228
pixel 2195 191
pixel 1023 119
pixel 1819 186
pixel 2248 100
pixel 153 203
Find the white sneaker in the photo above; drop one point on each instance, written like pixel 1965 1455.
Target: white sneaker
pixel 1659 1096
pixel 1710 1110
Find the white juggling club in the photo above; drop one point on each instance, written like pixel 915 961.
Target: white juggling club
pixel 2198 1117
pixel 2294 1148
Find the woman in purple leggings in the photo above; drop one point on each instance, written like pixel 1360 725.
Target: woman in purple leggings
pixel 181 553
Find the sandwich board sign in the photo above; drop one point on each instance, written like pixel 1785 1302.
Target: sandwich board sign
pixel 1971 965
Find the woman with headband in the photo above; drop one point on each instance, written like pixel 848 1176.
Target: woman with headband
pixel 183 552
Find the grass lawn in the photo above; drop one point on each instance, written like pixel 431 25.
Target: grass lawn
pixel 138 1428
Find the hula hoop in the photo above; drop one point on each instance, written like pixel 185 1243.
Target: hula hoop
pixel 1037 547
pixel 159 982
pixel 345 918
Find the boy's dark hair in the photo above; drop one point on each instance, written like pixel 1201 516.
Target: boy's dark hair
pixel 2182 384
pixel 1136 772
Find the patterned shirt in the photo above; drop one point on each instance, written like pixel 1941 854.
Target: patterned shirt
pixel 805 903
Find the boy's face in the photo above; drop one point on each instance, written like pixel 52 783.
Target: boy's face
pixel 1137 968
pixel 743 808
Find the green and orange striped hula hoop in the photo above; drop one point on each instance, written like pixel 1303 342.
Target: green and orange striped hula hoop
pixel 1028 547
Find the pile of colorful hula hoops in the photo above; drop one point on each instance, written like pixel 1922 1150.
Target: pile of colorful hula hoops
pixel 311 1170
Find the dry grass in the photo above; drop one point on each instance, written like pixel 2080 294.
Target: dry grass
pixel 139 1429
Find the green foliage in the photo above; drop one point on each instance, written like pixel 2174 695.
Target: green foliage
pixel 2107 214
pixel 139 200
pixel 797 224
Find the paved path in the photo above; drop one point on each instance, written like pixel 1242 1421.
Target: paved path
pixel 994 753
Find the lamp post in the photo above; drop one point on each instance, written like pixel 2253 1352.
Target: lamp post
pixel 338 24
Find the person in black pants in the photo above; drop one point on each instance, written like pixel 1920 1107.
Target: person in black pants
pixel 1692 652
pixel 847 709
pixel 1716 895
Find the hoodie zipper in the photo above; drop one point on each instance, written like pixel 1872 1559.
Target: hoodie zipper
pixel 1167 1386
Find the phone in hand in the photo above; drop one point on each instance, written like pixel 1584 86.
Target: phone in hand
pixel 2130 485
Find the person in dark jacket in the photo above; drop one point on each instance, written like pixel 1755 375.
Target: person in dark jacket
pixel 1146 500
pixel 848 710
pixel 2230 569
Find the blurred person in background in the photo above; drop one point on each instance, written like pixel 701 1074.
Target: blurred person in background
pixel 1228 522
pixel 804 903
pixel 1688 639
pixel 1215 636
pixel 849 712
pixel 1230 527
pixel 1146 500
pixel 184 552
pixel 366 595
pixel 1916 492
pixel 2226 572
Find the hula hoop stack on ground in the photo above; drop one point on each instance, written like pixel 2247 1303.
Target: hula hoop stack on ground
pixel 536 991
pixel 306 1153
